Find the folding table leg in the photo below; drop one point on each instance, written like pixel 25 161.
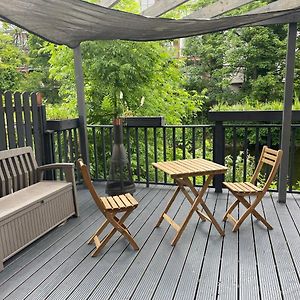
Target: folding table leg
pixel 168 207
pixel 186 182
pixel 198 201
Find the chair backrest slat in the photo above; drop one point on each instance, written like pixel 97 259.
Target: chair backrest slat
pixel 88 182
pixel 272 158
pixel 268 161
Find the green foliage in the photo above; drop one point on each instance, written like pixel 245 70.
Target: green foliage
pixel 56 111
pixel 126 78
pixel 239 167
pixel 205 68
pixel 253 105
pixel 11 58
pixel 38 79
pixel 256 52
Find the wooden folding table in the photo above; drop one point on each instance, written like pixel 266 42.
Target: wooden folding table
pixel 180 171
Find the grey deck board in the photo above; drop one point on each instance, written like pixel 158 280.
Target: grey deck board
pixel 150 249
pixel 34 274
pixel 252 264
pixel 160 266
pixel 248 279
pixel 207 287
pixel 147 258
pixel 45 289
pixel 268 277
pixel 187 284
pixel 228 276
pixel 291 235
pixel 289 282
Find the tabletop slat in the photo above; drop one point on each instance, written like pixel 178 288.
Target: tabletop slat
pixel 190 167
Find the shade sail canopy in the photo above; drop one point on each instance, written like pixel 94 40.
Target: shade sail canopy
pixel 70 22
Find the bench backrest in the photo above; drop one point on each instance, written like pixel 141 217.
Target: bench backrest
pixel 18 169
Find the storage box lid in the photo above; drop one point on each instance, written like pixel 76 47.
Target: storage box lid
pixel 24 198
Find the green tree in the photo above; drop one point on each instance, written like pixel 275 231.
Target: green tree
pixel 258 52
pixel 125 78
pixel 38 79
pixel 11 59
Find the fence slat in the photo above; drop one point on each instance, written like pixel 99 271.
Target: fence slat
pixel 155 153
pixel 183 144
pixel 245 153
pixel 36 129
pixel 10 120
pixel 27 119
pixel 128 144
pixel 19 119
pixel 95 153
pixel 3 142
pixel 234 155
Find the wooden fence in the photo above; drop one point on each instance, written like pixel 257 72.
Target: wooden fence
pixel 22 123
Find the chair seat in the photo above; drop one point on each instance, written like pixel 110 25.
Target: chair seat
pixel 245 188
pixel 119 203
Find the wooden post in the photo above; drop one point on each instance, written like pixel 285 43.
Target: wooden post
pixel 287 112
pixel 81 106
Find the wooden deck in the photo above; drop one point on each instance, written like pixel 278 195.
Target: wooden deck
pixel 252 264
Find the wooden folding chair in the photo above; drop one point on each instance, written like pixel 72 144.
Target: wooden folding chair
pixel 242 189
pixel 110 206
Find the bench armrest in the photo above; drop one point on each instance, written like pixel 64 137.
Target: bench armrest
pixel 68 169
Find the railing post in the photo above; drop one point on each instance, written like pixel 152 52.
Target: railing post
pixel 219 153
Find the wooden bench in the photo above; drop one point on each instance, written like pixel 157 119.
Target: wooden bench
pixel 30 206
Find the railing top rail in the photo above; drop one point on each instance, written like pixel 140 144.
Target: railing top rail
pixel 165 126
pixel 257 125
pixel 264 116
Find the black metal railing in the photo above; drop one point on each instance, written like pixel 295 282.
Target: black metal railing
pixel 146 145
pixel 245 146
pixel 238 147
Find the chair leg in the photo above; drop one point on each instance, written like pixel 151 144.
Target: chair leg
pixel 230 209
pixel 118 226
pixel 104 242
pixel 123 225
pixel 98 232
pixel 198 201
pixel 256 214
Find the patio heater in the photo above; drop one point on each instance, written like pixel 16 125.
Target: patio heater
pixel 120 174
